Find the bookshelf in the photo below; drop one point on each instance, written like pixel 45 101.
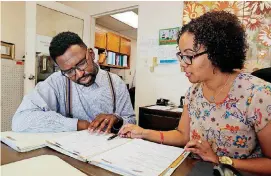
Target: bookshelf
pixel 113 50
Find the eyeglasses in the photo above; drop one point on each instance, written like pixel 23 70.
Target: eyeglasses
pixel 82 65
pixel 188 59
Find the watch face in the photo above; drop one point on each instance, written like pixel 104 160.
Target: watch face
pixel 225 160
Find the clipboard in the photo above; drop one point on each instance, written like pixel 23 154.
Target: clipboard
pixel 175 164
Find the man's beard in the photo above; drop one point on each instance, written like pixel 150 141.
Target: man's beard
pixel 92 75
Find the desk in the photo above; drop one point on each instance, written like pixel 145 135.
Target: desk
pixel 8 155
pixel 156 119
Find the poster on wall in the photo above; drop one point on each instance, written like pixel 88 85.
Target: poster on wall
pixel 168 36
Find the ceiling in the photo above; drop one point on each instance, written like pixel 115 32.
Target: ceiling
pixel 117 26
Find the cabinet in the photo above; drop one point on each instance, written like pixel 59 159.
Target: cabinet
pixel 113 42
pixel 125 46
pixel 100 39
pixel 162 120
pixel 115 48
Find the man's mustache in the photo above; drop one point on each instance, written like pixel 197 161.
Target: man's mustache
pixel 86 75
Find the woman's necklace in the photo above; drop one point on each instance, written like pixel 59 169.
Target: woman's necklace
pixel 212 98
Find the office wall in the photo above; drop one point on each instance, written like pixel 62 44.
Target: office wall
pixel 166 81
pixel 127 74
pixel 13 26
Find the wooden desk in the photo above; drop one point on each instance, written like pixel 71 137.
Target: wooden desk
pixel 8 155
pixel 161 120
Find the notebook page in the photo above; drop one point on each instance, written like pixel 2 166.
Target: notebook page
pixel 88 144
pixel 43 165
pixel 28 141
pixel 138 157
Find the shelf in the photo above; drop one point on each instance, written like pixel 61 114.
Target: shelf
pixel 114 66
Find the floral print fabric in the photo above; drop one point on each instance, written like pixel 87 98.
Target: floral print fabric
pixel 231 128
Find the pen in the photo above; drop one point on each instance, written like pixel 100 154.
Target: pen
pixel 112 137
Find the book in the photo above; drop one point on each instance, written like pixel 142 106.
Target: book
pixel 135 157
pixel 24 142
pixel 43 165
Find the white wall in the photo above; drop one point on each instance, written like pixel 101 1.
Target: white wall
pixel 166 81
pixel 127 74
pixel 13 26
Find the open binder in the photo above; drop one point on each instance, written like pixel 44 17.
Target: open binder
pixel 134 157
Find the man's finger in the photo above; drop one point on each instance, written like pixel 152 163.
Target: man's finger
pixel 110 125
pixel 96 123
pixel 102 125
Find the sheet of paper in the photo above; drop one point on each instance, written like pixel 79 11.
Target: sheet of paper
pixel 28 141
pixel 160 107
pixel 43 165
pixel 88 144
pixel 138 157
pixel 177 110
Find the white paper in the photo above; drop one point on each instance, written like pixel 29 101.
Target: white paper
pixel 88 144
pixel 138 157
pixel 160 107
pixel 43 165
pixel 24 142
pixel 177 110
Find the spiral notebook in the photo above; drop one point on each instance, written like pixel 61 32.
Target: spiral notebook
pixel 134 157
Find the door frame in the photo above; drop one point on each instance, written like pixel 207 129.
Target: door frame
pixel 30 36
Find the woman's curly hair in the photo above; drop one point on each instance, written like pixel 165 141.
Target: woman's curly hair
pixel 222 35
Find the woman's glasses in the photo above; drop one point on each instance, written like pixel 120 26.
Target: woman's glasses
pixel 187 59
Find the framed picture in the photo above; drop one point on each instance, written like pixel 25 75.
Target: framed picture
pixel 168 36
pixel 7 50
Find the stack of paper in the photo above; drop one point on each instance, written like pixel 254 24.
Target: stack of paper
pixel 24 142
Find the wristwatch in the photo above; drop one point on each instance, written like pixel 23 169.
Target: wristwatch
pixel 225 160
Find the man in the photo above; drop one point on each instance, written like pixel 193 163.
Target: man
pixel 78 97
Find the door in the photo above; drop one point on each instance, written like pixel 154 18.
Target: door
pixel 48 19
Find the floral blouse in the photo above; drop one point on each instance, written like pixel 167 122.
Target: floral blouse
pixel 231 127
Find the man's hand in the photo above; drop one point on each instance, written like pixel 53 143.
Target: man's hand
pixel 82 125
pixel 103 121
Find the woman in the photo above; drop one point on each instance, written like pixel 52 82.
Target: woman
pixel 227 114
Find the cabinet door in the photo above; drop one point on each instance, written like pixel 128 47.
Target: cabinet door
pixel 113 42
pixel 125 46
pixel 100 39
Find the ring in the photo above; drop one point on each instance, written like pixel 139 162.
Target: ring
pixel 105 120
pixel 199 141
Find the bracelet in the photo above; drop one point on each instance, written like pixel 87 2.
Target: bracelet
pixel 161 137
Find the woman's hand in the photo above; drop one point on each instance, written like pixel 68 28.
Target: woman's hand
pixel 203 149
pixel 131 131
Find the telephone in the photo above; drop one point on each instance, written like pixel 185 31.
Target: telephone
pixel 162 102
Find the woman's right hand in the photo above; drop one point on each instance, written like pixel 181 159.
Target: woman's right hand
pixel 131 131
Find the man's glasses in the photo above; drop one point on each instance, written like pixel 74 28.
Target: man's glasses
pixel 82 65
pixel 188 59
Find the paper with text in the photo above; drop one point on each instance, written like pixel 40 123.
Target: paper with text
pixel 88 144
pixel 139 158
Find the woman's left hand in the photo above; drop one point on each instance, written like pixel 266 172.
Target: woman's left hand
pixel 203 149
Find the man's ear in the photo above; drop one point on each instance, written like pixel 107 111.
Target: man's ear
pixel 92 54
